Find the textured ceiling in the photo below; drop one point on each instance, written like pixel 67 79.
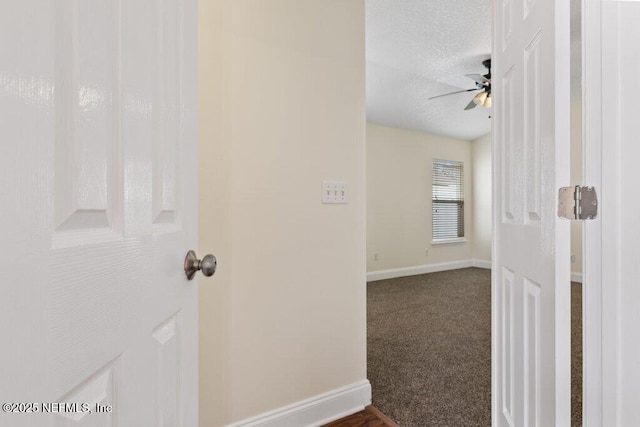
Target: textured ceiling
pixel 422 48
pixel 417 49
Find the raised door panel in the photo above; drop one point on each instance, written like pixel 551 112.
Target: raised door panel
pixel 90 404
pixel 87 195
pixel 507 346
pixel 531 339
pixel 506 21
pixel 532 132
pixel 167 372
pixel 510 153
pixel 167 120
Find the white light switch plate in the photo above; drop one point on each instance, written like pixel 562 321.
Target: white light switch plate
pixel 335 192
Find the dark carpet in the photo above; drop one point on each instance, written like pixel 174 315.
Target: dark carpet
pixel 576 354
pixel 429 348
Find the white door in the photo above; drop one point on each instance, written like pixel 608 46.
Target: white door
pixel 98 190
pixel 531 269
pixel 612 252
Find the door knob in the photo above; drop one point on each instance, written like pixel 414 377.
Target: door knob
pixel 192 265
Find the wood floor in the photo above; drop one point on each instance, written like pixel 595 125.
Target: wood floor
pixel 370 417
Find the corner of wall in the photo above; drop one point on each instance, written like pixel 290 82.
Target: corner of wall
pixel 482 198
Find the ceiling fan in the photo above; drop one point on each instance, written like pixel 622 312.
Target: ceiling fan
pixel 483 83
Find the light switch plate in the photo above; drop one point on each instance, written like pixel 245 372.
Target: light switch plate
pixel 335 192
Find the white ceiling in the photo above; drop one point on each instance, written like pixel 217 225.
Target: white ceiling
pixel 417 49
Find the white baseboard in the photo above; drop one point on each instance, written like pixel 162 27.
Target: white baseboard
pixel 317 410
pixel 419 269
pixel 481 263
pixel 576 277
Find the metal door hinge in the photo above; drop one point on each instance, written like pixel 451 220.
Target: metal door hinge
pixel 577 203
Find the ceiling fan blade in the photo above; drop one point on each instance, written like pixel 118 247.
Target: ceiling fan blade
pixel 471 105
pixel 479 78
pixel 453 93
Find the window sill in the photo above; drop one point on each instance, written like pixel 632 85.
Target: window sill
pixel 449 241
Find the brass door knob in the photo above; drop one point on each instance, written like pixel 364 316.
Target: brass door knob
pixel 192 265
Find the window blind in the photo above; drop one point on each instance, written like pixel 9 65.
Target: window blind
pixel 448 199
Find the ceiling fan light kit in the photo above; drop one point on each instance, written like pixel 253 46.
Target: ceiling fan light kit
pixel 483 83
pixel 480 98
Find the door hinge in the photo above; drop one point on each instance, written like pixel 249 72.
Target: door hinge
pixel 577 203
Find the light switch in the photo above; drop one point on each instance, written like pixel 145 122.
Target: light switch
pixel 335 192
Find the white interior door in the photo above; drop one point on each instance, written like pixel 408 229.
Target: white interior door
pixel 531 268
pixel 98 190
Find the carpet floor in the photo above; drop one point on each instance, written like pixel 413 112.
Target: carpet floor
pixel 429 348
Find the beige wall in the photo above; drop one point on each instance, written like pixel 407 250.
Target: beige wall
pixel 282 107
pixel 482 204
pixel 399 198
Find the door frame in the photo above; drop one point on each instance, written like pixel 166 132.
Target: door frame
pixel 592 230
pixel 599 242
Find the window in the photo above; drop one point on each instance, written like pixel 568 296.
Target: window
pixel 448 200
